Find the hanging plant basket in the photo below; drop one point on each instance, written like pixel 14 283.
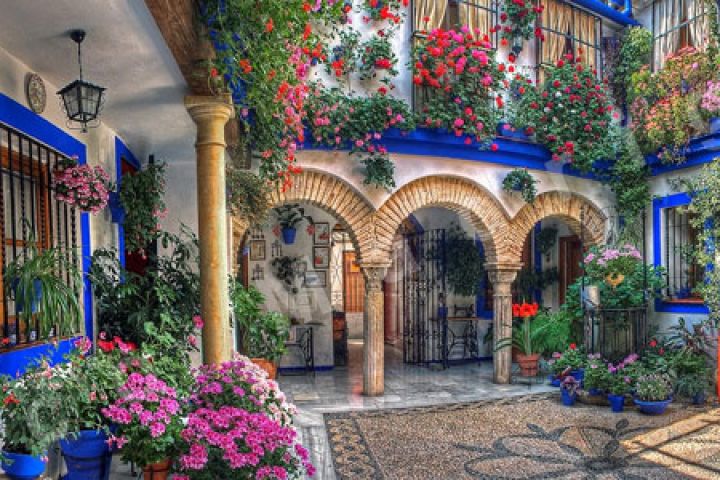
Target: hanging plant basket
pixel 520 180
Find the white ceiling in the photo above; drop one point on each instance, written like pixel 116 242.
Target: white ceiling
pixel 123 51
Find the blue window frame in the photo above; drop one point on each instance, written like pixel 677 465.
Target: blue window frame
pixel 671 232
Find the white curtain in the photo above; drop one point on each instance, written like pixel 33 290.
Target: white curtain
pixel 699 28
pixel 668 15
pixel 432 9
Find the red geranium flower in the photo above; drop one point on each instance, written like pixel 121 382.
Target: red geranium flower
pixel 573 346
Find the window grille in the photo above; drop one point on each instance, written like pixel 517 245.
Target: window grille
pixel 30 214
pixel 683 274
pixel 677 24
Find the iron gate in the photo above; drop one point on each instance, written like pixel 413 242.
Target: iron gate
pixel 424 310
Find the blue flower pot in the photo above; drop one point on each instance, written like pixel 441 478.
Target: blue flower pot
pixel 578 375
pixel 22 467
pixel 87 455
pixel 652 408
pixel 288 235
pixel 568 399
pixel 117 212
pixel 617 402
pixel 506 130
pixel 699 398
pixel 554 381
pixel 595 392
pixel 715 125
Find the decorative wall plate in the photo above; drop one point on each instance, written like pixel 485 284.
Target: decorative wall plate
pixel 35 92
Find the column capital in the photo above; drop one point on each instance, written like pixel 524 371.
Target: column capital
pixel 374 274
pixel 204 108
pixel 501 274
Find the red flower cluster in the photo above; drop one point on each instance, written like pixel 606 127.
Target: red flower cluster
pixel 385 10
pixel 108 346
pixel 525 310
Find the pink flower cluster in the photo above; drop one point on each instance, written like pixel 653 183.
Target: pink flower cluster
pixel 83 186
pixel 242 418
pixel 711 98
pixel 610 254
pixel 145 404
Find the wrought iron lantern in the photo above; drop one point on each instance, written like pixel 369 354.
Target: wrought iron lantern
pixel 81 100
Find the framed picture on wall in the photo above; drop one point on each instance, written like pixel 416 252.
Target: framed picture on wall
pixel 321 236
pixel 257 250
pixel 321 258
pixel 314 279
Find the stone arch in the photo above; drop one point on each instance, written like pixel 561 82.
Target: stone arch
pixel 338 198
pixel 460 195
pixel 570 207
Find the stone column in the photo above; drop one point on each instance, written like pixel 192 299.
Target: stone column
pixel 389 286
pixel 501 277
pixel 373 327
pixel 210 114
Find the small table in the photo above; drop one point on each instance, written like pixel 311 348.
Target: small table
pixel 467 339
pixel 304 342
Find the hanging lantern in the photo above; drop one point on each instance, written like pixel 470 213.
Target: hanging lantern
pixel 81 100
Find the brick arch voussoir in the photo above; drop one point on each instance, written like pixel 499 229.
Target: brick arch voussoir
pixel 583 217
pixel 460 195
pixel 339 199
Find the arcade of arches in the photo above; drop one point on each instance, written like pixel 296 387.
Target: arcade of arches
pixel 371 231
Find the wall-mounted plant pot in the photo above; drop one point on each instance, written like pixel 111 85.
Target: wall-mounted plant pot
pixel 22 467
pixel 288 235
pixel 117 212
pixel 715 125
pixel 87 455
pixel 20 295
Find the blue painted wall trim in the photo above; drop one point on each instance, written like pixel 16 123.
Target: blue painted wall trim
pixel 675 200
pixel 512 153
pixel 537 256
pixel 17 361
pixel 20 118
pixel 700 151
pixel 622 17
pixel 122 151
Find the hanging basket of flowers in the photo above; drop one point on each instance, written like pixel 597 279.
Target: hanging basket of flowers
pixel 518 19
pixel 377 55
pixel 84 187
pixel 520 180
pixel 390 10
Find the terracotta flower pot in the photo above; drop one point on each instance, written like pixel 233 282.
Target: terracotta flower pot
pixel 266 365
pixel 157 471
pixel 528 364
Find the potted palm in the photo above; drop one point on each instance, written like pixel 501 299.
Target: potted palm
pixel 262 334
pixel 289 217
pixel 653 394
pixel 47 281
pixel 525 337
pixel 30 426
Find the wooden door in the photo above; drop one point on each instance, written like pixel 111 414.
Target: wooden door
pixel 571 256
pixel 354 284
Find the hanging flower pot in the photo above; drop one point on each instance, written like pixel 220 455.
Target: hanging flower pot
pixel 117 211
pixel 157 471
pixel 288 235
pixel 22 467
pixel 86 454
pixel 517 45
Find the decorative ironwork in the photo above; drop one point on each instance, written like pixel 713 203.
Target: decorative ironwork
pixel 29 212
pixel 616 332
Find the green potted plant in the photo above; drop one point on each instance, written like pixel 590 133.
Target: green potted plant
pixel 520 180
pixel 692 375
pixel 619 385
pixel 653 394
pixel 30 419
pixel 88 384
pixel 262 334
pixel 465 264
pixel 45 287
pixel 248 195
pixel 289 217
pixel 141 196
pixel 570 362
pixel 377 54
pixel 524 337
pixel 597 377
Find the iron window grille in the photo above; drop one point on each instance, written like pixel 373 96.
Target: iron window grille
pixel 683 273
pixel 572 38
pixel 692 12
pixel 30 214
